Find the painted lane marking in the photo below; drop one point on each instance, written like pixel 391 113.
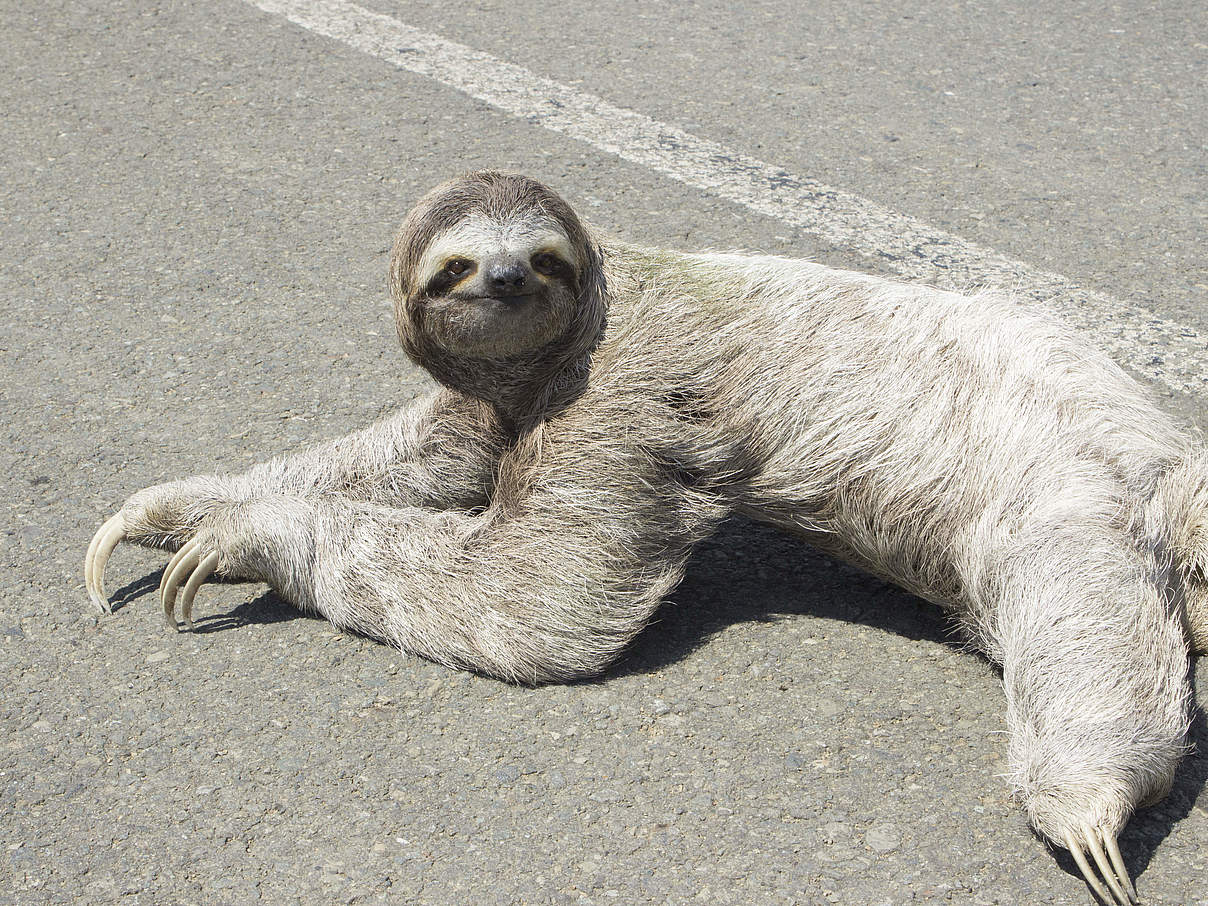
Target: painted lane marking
pixel 1167 352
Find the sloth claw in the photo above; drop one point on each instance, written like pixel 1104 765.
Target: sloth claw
pixel 107 537
pixel 1096 840
pixel 204 570
pixel 188 561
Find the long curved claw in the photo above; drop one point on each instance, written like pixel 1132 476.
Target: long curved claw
pixel 183 562
pixel 107 537
pixel 1113 850
pixel 204 570
pixel 1123 893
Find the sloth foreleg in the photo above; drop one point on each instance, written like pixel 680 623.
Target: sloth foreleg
pixel 528 597
pixel 1095 672
pixel 440 452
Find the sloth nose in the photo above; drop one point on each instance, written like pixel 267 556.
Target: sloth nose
pixel 507 279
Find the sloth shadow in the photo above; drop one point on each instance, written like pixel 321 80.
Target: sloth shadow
pixel 264 609
pixel 1150 826
pixel 749 572
pixel 132 591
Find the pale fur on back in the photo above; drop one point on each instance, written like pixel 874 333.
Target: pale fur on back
pixel 526 519
pixel 982 456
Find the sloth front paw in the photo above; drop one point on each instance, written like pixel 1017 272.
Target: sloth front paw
pixel 225 544
pixel 195 562
pixel 259 539
pixel 162 516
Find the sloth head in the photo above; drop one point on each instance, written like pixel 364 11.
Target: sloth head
pixel 495 281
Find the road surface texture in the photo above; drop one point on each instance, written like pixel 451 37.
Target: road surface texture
pixel 197 201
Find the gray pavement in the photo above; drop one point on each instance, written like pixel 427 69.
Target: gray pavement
pixel 195 206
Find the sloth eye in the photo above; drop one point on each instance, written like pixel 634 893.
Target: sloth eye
pixel 457 267
pixel 547 264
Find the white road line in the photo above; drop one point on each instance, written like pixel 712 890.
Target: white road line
pixel 1163 350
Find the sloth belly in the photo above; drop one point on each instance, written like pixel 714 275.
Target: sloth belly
pixel 891 556
pixel 935 514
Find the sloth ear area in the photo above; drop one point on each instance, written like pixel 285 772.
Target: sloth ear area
pixel 591 271
pixel 592 293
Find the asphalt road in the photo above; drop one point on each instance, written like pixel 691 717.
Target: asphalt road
pixel 195 206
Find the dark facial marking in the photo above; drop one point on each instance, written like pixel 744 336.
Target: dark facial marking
pixel 550 265
pixel 454 271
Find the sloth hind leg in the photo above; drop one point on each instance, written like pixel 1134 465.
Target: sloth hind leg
pixel 1095 672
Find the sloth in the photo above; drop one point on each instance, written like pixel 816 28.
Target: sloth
pixel 603 407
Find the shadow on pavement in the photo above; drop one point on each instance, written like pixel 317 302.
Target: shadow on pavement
pixel 267 608
pixel 753 573
pixel 749 572
pixel 132 591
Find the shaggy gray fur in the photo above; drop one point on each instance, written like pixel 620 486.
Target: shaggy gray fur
pixel 526 520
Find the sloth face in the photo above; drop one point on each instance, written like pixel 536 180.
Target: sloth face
pixel 497 286
pixel 490 288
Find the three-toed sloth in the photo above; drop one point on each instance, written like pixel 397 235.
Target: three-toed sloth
pixel 604 407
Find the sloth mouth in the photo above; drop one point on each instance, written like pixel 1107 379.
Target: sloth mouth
pixel 511 301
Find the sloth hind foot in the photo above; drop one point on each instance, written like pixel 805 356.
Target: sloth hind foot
pixel 1105 852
